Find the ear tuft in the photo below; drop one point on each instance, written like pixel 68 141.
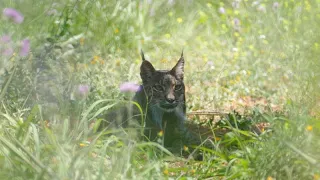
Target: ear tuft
pixel 142 55
pixel 146 71
pixel 178 69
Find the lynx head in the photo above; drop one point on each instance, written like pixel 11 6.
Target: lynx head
pixel 164 88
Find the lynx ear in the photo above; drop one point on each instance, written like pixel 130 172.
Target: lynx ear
pixel 142 55
pixel 146 71
pixel 178 69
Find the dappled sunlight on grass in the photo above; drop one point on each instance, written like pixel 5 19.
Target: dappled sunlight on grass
pixel 251 74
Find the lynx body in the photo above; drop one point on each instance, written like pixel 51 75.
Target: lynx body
pixel 162 100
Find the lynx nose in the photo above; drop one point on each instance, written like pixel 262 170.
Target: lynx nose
pixel 170 98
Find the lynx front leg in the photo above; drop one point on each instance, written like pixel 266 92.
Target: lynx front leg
pixel 157 116
pixel 187 137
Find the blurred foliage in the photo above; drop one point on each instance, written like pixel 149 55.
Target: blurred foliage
pixel 260 58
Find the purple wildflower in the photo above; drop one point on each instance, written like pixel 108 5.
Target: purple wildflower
pixel 236 22
pixel 83 89
pixel 25 47
pixel 222 10
pixel 130 87
pixel 5 39
pixel 275 6
pixel 8 52
pixel 13 14
pixel 261 8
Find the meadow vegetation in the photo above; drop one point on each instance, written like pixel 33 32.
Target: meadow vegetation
pixel 62 62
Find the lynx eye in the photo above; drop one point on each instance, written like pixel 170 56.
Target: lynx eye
pixel 158 87
pixel 178 87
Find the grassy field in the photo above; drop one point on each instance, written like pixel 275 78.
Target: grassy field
pixel 62 62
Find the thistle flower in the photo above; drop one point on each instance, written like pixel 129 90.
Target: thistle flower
pixel 25 47
pixel 275 6
pixel 83 89
pixel 130 87
pixel 236 22
pixel 8 52
pixel 262 8
pixel 222 10
pixel 13 14
pixel 5 39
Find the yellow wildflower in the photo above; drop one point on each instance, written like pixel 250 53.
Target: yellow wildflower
pixel 82 41
pixel 167 35
pixel 185 148
pixel 269 178
pixel 116 31
pixel 160 133
pixel 316 176
pixel 46 123
pixel 164 60
pixel 179 20
pixel 166 172
pixel 309 128
pixel 93 61
pixel 193 171
pixel 82 145
pixel 118 62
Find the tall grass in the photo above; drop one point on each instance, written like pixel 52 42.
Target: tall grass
pixel 82 50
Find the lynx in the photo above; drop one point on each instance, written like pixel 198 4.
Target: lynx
pixel 162 99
